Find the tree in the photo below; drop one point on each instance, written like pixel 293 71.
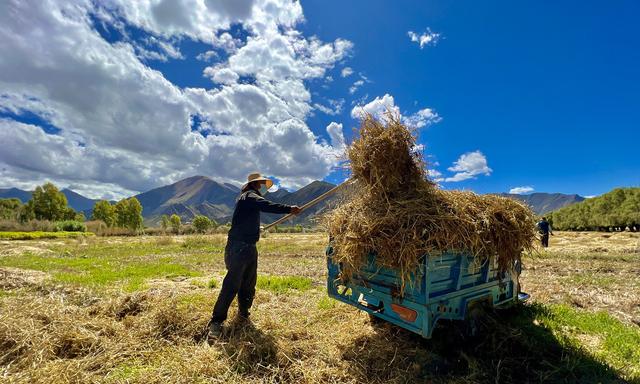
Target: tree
pixel 48 203
pixel 128 213
pixel 202 223
pixel 164 222
pixel 175 223
pixel 103 210
pixel 10 208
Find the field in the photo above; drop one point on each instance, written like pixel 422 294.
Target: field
pixel 132 310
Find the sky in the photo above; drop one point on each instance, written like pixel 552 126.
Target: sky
pixel 111 98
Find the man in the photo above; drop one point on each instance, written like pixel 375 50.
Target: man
pixel 544 228
pixel 241 254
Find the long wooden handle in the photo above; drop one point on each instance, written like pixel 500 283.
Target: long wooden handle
pixel 309 204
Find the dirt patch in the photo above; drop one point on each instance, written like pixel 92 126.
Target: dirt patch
pixel 15 278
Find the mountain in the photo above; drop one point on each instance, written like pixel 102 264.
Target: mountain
pixel 542 203
pixel 77 201
pixel 301 197
pixel 200 195
pixel 15 193
pixel 74 199
pixel 197 195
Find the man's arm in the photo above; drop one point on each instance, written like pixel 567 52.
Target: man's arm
pixel 265 205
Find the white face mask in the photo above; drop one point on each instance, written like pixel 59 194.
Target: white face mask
pixel 263 189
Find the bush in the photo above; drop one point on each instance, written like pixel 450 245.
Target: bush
pixel 202 223
pixel 175 222
pixel 70 226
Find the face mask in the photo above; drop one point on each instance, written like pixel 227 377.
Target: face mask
pixel 263 189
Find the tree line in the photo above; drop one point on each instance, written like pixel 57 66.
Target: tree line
pixel 613 211
pixel 49 203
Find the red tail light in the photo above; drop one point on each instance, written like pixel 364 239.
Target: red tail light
pixel 405 313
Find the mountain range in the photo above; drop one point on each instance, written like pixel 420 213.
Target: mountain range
pixel 200 195
pixel 542 203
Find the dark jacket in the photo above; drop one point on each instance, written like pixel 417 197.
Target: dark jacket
pixel 544 227
pixel 245 224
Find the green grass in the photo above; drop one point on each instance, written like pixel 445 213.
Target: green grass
pixel 281 284
pixel 326 303
pixel 213 283
pixel 591 278
pixel 41 235
pixel 100 271
pixel 612 342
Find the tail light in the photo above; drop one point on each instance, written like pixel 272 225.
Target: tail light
pixel 406 314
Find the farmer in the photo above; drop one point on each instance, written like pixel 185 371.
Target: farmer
pixel 240 254
pixel 544 228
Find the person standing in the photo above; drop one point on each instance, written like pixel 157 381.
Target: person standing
pixel 241 254
pixel 544 228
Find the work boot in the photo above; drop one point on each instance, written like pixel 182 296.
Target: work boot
pixel 215 330
pixel 243 316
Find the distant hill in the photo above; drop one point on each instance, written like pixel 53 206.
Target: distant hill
pixel 301 197
pixel 74 199
pixel 15 193
pixel 615 210
pixel 197 195
pixel 542 203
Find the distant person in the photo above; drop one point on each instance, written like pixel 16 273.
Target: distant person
pixel 241 254
pixel 544 228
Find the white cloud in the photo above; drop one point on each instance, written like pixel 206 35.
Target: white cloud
pixel 468 166
pixel 346 72
pixel 423 118
pixel 590 196
pixel 425 38
pixel 124 127
pixel 435 175
pixel 380 106
pixel 521 190
pixel 337 137
pixel 207 56
pixel 221 75
pixel 354 87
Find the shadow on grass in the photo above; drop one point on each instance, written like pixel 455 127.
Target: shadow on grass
pixel 249 349
pixel 512 348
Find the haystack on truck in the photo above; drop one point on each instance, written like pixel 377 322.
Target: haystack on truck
pixel 448 286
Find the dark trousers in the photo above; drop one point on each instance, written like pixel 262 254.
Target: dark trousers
pixel 241 260
pixel 545 239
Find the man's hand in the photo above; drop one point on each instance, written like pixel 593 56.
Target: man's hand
pixel 295 209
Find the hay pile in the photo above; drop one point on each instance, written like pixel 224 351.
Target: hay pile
pixel 400 215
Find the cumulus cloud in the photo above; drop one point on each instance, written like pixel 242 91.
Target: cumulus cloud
pixel 346 72
pixel 123 127
pixel 423 118
pixel 337 137
pixel 425 38
pixel 521 190
pixel 468 166
pixel 380 107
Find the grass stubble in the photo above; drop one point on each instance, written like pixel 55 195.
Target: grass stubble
pixel 54 331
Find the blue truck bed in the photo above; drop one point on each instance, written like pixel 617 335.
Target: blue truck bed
pixel 445 286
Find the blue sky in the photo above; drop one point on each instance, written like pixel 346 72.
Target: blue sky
pixel 548 91
pixel 111 100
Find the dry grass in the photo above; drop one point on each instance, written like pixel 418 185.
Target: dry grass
pixel 401 216
pixel 590 270
pixel 53 332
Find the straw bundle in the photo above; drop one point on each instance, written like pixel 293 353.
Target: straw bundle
pixel 401 216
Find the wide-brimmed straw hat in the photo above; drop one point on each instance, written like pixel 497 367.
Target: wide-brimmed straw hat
pixel 257 177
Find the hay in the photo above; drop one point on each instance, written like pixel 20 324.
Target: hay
pixel 401 216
